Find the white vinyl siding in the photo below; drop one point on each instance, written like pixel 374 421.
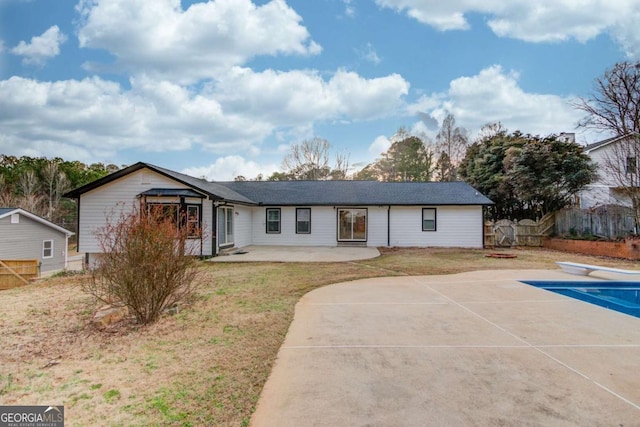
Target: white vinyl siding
pixel 243 226
pixel 324 222
pixel 458 226
pixel 377 226
pixel 110 200
pixel 323 233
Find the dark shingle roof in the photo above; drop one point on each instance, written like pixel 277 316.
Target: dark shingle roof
pixel 310 193
pixel 212 188
pixel 358 193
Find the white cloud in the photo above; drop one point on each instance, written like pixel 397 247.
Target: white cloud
pixel 369 54
pixel 229 167
pixel 534 21
pixel 100 117
pixel 349 8
pixel 379 145
pixel 298 97
pixel 41 48
pixel 161 39
pixel 494 95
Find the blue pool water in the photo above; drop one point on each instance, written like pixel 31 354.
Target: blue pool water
pixel 619 296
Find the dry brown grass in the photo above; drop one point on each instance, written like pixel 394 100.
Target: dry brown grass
pixel 207 364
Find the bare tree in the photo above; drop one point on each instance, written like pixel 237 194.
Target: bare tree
pixel 6 196
pixel 309 160
pixel 451 145
pixel 490 130
pixel 30 199
pixel 341 167
pixel 614 104
pixel 56 184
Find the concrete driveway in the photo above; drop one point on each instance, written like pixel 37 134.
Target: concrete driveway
pixel 298 254
pixel 479 349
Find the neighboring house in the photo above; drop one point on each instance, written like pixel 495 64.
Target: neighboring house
pixel 304 213
pixel 617 160
pixel 24 235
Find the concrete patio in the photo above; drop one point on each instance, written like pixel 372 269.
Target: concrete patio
pixel 298 254
pixel 476 348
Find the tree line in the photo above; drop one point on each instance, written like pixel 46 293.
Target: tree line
pixel 526 176
pixel 37 184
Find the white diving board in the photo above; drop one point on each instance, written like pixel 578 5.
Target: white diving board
pixel 585 269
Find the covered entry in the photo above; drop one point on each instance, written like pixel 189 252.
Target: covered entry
pixel 352 225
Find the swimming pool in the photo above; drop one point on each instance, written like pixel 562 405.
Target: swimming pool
pixel 619 296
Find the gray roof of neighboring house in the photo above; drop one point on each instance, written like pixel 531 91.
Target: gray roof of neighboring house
pixel 6 210
pixel 290 193
pixel 594 146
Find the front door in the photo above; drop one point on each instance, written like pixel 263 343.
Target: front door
pixel 352 225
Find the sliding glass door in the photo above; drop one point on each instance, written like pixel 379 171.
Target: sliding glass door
pixel 352 225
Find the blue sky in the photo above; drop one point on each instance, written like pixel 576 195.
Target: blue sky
pixel 223 88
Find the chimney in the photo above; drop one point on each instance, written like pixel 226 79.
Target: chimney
pixel 567 137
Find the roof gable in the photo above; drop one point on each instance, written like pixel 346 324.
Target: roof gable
pixel 5 212
pixel 210 189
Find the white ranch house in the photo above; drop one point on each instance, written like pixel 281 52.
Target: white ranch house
pixel 294 213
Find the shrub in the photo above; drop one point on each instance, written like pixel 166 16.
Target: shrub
pixel 144 264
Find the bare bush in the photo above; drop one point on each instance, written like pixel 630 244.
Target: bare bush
pixel 145 263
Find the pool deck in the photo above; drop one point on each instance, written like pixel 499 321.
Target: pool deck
pixel 476 348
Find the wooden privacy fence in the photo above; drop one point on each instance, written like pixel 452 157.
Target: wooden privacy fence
pixel 18 272
pixel 610 222
pixel 526 232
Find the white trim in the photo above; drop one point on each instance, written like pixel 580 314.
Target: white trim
pixel 66 252
pixel 50 249
pixel 227 243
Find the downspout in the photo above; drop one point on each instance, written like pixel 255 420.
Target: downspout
pixel 78 225
pixel 482 225
pixel 66 251
pixel 214 227
pixel 389 226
